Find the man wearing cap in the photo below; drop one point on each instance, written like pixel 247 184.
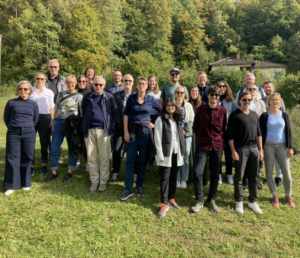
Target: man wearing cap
pixel 168 91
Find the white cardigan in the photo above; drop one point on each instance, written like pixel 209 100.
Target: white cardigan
pixel 167 161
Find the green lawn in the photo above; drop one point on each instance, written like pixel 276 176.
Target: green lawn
pixel 59 219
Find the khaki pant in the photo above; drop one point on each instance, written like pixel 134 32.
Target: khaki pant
pixel 98 154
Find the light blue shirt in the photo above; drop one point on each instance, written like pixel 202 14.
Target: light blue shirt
pixel 275 128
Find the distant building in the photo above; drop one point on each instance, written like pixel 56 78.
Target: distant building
pixel 252 66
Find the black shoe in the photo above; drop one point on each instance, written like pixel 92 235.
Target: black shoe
pixel 44 170
pixel 205 182
pixel 259 186
pixel 125 195
pixel 67 177
pixel 264 181
pixel 278 181
pixel 140 192
pixel 32 171
pixel 49 178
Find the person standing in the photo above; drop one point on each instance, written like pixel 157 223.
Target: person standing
pixel 20 116
pixel 45 101
pixel 90 74
pixel 117 85
pixel 99 110
pixel 209 126
pixel 168 91
pixel 203 87
pixel 169 143
pixel 82 85
pixel 277 142
pixel 245 142
pixel 138 136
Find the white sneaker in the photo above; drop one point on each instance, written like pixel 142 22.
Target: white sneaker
pixel 239 207
pixel 134 177
pixel 230 179
pixel 220 179
pixel 114 177
pixel 77 163
pixel 178 184
pixel 26 188
pixel 9 192
pixel 254 206
pixel 183 184
pixel 87 167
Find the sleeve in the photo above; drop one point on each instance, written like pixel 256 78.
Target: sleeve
pixel 158 138
pixel 224 121
pixel 80 97
pixel 6 116
pixel 258 127
pixel 113 107
pixel 262 123
pixel 234 105
pixel 288 131
pixel 128 106
pixel 36 114
pixel 230 126
pixel 51 99
pixel 189 123
pixel 56 107
pixel 155 104
pixel 196 121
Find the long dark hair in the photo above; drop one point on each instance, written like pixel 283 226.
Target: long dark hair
pixel 228 93
pixel 177 115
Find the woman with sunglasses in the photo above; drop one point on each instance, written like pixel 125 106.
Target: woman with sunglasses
pixel 90 74
pixel 227 101
pixel 187 116
pixel 44 98
pixel 20 116
pixel 68 103
pixel 277 142
pixel 169 143
pixel 82 85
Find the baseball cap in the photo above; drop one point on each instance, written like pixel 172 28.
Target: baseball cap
pixel 175 69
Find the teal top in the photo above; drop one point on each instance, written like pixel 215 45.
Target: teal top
pixel 168 91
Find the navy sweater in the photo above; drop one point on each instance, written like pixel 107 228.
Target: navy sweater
pixel 21 113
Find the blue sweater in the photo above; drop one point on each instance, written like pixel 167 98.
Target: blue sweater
pixel 97 119
pixel 21 113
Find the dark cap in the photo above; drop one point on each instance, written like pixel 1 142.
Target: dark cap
pixel 175 69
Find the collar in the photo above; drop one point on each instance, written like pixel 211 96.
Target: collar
pixel 203 86
pixel 215 108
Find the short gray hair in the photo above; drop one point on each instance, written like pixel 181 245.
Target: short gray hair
pixel 129 75
pixel 250 74
pixel 53 60
pixel 70 77
pixel 24 82
pixel 98 76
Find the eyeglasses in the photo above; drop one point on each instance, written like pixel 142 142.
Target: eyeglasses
pixel 245 100
pixel 81 81
pixel 127 80
pixel 25 89
pixel 214 94
pixel 39 79
pixel 99 84
pixel 222 86
pixel 53 67
pixel 180 92
pixel 170 106
pixel 174 74
pixel 252 89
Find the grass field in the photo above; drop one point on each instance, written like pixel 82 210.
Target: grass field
pixel 59 219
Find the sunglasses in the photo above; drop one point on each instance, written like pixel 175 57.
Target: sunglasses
pixel 180 92
pixel 39 79
pixel 53 67
pixel 98 84
pixel 245 100
pixel 25 89
pixel 127 80
pixel 222 86
pixel 252 89
pixel 174 74
pixel 214 94
pixel 81 81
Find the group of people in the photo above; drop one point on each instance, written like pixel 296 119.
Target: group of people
pixel 184 132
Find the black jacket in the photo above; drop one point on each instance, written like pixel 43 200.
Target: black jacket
pixel 263 121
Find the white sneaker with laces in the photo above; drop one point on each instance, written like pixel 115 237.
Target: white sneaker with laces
pixel 230 179
pixel 220 179
pixel 9 192
pixel 183 184
pixel 239 207
pixel 178 185
pixel 254 206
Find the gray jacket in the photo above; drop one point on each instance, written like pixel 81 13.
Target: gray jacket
pixel 229 106
pixel 61 86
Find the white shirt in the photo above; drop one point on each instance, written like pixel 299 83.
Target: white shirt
pixel 174 138
pixel 44 100
pixel 155 95
pixel 253 107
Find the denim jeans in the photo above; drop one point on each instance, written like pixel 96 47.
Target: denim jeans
pixel 215 159
pixel 20 142
pixel 138 144
pixel 183 172
pixel 57 140
pixel 279 152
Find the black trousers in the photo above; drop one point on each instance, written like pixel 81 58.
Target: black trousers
pixel 168 177
pixel 20 142
pixel 215 159
pixel 44 131
pixel 247 164
pixel 228 158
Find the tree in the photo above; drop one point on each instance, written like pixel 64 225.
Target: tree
pixel 292 51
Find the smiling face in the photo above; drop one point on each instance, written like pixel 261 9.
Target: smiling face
pixel 213 98
pixel 179 93
pixel 275 101
pixel 252 88
pixel 117 77
pixel 99 85
pixel 71 84
pixel 174 77
pixel 222 87
pixel 249 80
pixel 39 80
pixel 90 74
pixel 81 83
pixel 152 83
pixel 128 82
pixel 53 68
pixel 170 108
pixel 24 91
pixel 202 79
pixel 194 93
pixel 245 101
pixel 268 88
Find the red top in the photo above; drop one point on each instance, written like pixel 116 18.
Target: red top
pixel 209 126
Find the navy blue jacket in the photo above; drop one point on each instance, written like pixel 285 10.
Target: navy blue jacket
pixel 203 93
pixel 109 110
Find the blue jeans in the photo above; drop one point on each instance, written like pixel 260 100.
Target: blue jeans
pixel 183 172
pixel 139 144
pixel 20 143
pixel 57 140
